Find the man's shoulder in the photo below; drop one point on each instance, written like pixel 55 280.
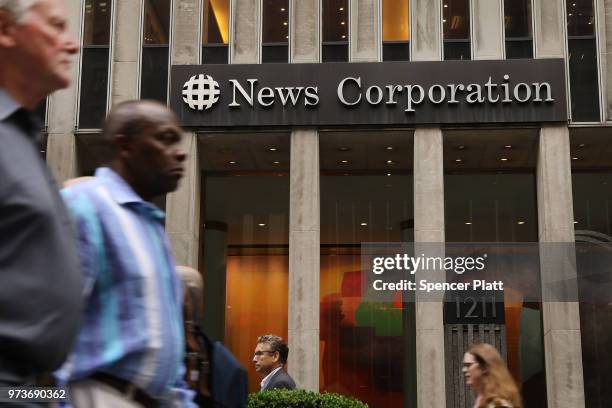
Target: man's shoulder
pixel 84 198
pixel 282 379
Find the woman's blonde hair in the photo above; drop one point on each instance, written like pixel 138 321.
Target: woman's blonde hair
pixel 496 382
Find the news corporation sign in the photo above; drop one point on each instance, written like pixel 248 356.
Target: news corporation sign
pixel 386 93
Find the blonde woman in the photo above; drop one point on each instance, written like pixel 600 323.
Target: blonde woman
pixel 487 375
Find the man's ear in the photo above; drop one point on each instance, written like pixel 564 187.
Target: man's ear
pixel 7 29
pixel 123 146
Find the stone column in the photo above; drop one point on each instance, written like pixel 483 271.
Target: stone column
pixel 605 33
pixel 487 29
pixel 61 119
pixel 364 34
pixel 126 49
pixel 561 319
pixel 426 45
pixel 562 342
pixel 183 206
pixel 245 44
pixel 304 213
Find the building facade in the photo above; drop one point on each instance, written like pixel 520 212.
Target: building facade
pixel 274 216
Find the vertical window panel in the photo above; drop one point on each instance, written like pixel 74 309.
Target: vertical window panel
pixel 517 25
pixel 275 31
pixel 582 47
pixel 95 63
pixel 456 29
pixel 396 30
pixel 335 26
pixel 215 32
pixel 156 35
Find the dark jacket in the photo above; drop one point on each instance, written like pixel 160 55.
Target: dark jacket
pixel 280 380
pixel 40 279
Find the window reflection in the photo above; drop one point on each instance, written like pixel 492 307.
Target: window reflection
pixel 456 29
pixel 154 71
pixel 245 240
pixel 215 32
pixel 517 24
pixel 490 196
pixel 335 30
pixel 582 48
pixel 396 30
pixel 366 348
pixel 275 31
pixel 94 63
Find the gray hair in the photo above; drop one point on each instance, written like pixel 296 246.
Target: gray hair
pixel 17 8
pixel 276 343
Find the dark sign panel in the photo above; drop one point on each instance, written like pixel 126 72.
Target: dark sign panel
pixel 382 93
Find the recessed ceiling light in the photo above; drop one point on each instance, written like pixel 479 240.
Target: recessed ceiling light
pixel 284 23
pixel 468 223
pixel 272 149
pixel 341 8
pixel 275 162
pixel 507 146
pixel 344 36
pixel 389 148
pixel 575 222
pixel 444 20
pixel 343 161
pixel 363 224
pixel 458 160
pixel 582 145
pixel 261 224
pixel 461 147
pixel 504 159
pixel 570 14
pixel 575 158
pixel 390 162
pixel 344 148
pixel 521 222
pixel 232 162
pixel 342 22
pixel 388 174
pixel 282 9
pixel 446 6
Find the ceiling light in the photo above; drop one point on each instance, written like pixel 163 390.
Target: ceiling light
pixel 504 159
pixel 461 147
pixel 389 148
pixel 275 162
pixel 458 160
pixel 570 14
pixel 521 222
pixel 284 23
pixel 261 224
pixel 344 149
pixel 363 224
pixel 283 9
pixel 507 146
pixel 344 36
pixel 446 6
pixel 444 20
pixel 343 161
pixel 341 9
pixel 388 174
pixel 582 145
pixel 575 222
pixel 575 158
pixel 232 162
pixel 342 23
pixel 468 223
pixel 272 149
pixel 390 162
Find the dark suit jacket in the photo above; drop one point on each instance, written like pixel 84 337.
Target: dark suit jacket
pixel 280 380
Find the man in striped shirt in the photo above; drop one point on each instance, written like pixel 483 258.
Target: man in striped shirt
pixel 130 348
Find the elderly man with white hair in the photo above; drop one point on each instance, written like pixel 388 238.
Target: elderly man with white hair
pixel 40 285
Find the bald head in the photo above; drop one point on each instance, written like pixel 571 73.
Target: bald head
pixel 146 138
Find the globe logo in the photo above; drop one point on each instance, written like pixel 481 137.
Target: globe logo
pixel 201 92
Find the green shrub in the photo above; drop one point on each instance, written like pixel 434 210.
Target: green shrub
pixel 301 399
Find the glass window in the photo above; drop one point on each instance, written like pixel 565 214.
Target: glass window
pixel 517 22
pixel 456 29
pixel 245 240
pixel 95 63
pixel 154 80
pixel 396 30
pixel 335 30
pixel 592 198
pixel 366 348
pixel 582 47
pixel 490 197
pixel 275 35
pixel 215 32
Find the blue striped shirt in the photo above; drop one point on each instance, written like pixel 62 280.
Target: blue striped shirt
pixel 132 325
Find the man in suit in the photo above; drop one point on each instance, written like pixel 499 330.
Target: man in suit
pixel 270 358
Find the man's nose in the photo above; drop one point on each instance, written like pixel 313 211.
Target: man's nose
pixel 181 155
pixel 71 46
